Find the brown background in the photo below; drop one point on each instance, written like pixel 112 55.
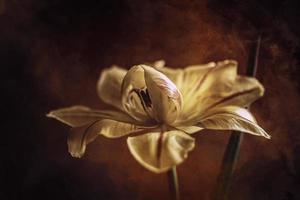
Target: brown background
pixel 51 54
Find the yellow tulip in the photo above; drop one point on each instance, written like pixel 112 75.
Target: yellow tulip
pixel 162 107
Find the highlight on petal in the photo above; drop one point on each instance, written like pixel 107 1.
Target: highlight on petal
pixel 189 129
pixel 166 98
pixel 160 151
pixel 80 115
pixel 232 118
pixel 109 86
pixel 79 137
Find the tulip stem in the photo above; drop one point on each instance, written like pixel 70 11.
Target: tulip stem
pixel 173 184
pixel 228 165
pixel 232 151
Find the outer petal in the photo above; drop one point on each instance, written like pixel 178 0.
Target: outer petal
pixel 88 124
pixel 159 63
pixel 206 86
pixel 109 86
pixel 81 136
pixel 158 152
pixel 189 129
pixel 188 78
pixel 81 115
pixel 165 96
pixel 232 118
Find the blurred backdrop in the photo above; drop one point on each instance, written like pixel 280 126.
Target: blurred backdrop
pixel 51 55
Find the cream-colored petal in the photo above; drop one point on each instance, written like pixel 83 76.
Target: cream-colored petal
pixel 189 129
pixel 79 137
pixel 166 98
pixel 158 152
pixel 214 84
pixel 240 92
pixel 109 86
pixel 187 79
pixel 149 94
pixel 159 63
pixel 80 115
pixel 232 118
pixel 222 86
pixel 134 95
pixel 114 129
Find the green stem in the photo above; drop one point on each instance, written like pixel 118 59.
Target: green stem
pixel 173 184
pixel 232 151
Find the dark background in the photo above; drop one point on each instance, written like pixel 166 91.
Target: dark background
pixel 51 54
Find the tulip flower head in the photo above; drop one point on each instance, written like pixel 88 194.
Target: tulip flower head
pixel 161 108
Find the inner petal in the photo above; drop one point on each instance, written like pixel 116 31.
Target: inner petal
pixel 135 97
pixel 166 98
pixel 146 98
pixel 145 101
pixel 149 94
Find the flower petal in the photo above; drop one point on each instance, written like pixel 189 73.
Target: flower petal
pixel 80 115
pixel 109 86
pixel 79 137
pixel 159 63
pixel 87 124
pixel 158 152
pixel 188 78
pixel 135 100
pixel 166 98
pixel 214 84
pixel 189 129
pixel 232 118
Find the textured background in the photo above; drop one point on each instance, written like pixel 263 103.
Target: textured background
pixel 51 54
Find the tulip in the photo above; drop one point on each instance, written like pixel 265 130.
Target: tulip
pixel 159 108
